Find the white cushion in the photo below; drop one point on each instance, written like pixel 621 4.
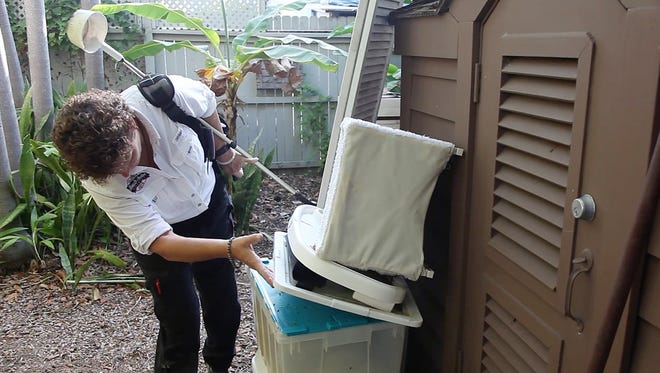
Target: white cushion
pixel 379 191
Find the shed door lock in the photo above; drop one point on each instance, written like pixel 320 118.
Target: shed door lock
pixel 584 207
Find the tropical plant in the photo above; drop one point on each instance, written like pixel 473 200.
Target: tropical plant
pixel 250 51
pixel 393 80
pixel 312 116
pixel 246 191
pixel 55 213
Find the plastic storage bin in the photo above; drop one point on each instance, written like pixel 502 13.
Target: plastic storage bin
pixel 296 335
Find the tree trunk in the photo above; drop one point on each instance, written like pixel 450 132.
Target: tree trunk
pixel 12 136
pixel 14 65
pixel 94 73
pixel 230 107
pixel 19 253
pixel 7 201
pixel 39 59
pixel 11 93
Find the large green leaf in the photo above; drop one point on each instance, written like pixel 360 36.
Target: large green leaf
pixel 68 222
pixel 27 168
pixel 153 47
pixel 49 156
pixel 98 254
pixel 294 53
pixel 109 257
pixel 159 11
pixel 45 218
pixel 65 260
pixel 265 40
pixel 5 234
pixel 260 23
pixel 25 118
pixel 341 30
pixel 10 240
pixel 12 215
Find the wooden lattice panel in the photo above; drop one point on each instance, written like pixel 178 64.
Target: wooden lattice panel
pixel 18 7
pixel 239 12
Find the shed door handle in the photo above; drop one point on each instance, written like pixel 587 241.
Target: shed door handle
pixel 582 265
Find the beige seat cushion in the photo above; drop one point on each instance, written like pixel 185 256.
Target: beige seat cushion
pixel 378 195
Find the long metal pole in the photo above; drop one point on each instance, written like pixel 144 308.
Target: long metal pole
pixel 259 165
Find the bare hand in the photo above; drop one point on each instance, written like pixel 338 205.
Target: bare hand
pixel 242 250
pixel 235 166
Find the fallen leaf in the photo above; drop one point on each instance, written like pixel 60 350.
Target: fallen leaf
pixel 96 294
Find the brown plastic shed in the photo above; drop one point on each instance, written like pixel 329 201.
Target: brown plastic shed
pixel 556 105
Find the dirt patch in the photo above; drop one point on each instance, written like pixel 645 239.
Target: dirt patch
pixel 111 327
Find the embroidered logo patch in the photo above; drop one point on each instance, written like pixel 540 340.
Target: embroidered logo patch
pixel 136 182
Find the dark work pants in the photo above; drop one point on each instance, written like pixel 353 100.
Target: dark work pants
pixel 175 287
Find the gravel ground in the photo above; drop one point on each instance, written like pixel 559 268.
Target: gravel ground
pixel 109 327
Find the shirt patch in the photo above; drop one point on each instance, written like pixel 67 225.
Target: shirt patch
pixel 136 182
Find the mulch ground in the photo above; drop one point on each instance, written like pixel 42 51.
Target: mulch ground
pixel 46 327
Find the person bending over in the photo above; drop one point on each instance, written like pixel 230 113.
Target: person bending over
pixel 148 173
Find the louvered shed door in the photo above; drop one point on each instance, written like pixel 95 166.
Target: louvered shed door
pixel 540 129
pixel 566 106
pixel 531 127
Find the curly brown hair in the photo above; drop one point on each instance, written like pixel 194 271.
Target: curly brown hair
pixel 92 132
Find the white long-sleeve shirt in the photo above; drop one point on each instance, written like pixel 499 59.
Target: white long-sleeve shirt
pixel 144 204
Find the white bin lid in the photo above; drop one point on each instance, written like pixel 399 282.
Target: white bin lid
pixel 336 296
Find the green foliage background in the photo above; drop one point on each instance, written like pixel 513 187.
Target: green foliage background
pixel 313 120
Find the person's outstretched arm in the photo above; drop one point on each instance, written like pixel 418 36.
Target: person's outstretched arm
pixel 174 247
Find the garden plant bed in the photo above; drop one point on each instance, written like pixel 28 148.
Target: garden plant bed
pixel 110 327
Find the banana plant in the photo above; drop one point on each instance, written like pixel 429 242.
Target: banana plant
pixel 250 51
